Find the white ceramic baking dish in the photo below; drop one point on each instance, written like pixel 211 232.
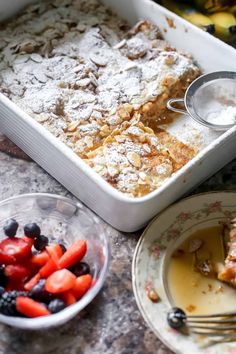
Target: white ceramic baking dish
pixel 124 213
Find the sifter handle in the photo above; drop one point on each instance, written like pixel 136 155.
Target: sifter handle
pixel 176 100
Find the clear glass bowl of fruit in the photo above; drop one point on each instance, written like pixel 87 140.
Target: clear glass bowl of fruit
pixel 54 257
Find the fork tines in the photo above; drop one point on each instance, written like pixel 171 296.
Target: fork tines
pixel 220 324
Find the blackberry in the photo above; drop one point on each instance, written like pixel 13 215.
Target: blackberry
pixel 10 227
pixel 39 293
pixel 80 268
pixel 56 305
pixel 40 243
pixel 3 277
pixel 8 302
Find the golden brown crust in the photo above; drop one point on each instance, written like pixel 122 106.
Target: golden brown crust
pixel 228 273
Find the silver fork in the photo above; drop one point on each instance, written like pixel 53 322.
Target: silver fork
pixel 219 324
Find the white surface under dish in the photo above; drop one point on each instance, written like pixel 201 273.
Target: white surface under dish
pixel 122 212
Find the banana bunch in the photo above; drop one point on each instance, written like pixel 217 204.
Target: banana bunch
pixel 222 13
pixel 214 16
pixel 190 14
pixel 211 6
pixel 225 25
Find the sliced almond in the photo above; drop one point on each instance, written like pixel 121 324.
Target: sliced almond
pixel 40 77
pixel 195 245
pixel 81 27
pixel 72 126
pixel 113 170
pixel 120 44
pixel 105 130
pixel 83 82
pixel 36 57
pixel 134 159
pixel 98 60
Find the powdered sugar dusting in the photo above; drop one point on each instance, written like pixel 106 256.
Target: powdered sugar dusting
pixel 226 115
pixel 82 72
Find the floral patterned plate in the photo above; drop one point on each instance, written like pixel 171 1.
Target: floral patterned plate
pixel 151 258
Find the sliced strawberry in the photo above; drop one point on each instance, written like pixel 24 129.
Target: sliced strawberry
pixel 40 259
pixel 60 281
pixel 6 259
pixel 30 241
pixel 55 252
pixel 32 282
pixel 17 271
pixel 68 297
pixel 48 268
pixel 30 308
pixel 82 284
pixel 15 247
pixel 74 254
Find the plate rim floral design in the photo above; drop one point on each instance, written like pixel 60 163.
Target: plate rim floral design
pixel 159 252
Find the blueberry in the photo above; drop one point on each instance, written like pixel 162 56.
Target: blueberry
pixel 3 277
pixel 40 242
pixel 32 230
pixel 56 305
pixel 2 290
pixel 80 268
pixel 10 227
pixel 63 247
pixel 176 318
pixel 39 293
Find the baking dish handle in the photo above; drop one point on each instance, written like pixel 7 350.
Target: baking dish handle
pixel 174 109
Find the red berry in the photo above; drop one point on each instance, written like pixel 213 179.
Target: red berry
pixel 55 252
pixel 17 271
pixel 14 284
pixel 82 284
pixel 30 308
pixel 40 259
pixel 30 241
pixel 32 282
pixel 15 247
pixel 6 259
pixel 60 281
pixel 74 254
pixel 48 268
pixel 68 297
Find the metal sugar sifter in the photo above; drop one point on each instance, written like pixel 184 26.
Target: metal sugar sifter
pixel 210 100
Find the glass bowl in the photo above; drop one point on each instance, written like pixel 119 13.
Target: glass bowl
pixel 63 221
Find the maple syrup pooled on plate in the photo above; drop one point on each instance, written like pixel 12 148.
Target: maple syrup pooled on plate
pixel 192 274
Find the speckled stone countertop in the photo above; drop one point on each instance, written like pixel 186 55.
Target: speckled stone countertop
pixel 111 324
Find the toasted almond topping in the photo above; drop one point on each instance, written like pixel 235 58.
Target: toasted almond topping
pixel 152 295
pixel 195 245
pixel 134 159
pixel 72 126
pixel 120 44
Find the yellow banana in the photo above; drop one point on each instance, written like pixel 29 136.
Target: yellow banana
pixel 190 14
pixel 211 6
pixel 233 10
pixel 225 25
